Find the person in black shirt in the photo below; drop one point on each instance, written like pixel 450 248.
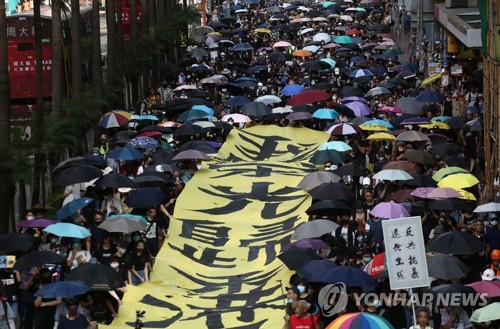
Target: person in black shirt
pixel 139 264
pixel 105 251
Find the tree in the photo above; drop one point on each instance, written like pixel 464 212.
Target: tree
pixel 111 52
pixel 76 52
pixel 97 79
pixel 57 59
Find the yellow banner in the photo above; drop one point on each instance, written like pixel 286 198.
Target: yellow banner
pixel 218 266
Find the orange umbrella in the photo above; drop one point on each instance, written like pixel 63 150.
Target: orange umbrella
pixel 302 53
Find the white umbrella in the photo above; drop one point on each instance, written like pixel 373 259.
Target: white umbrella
pixel 346 18
pixel 392 175
pixel 488 207
pixel 268 99
pixel 236 117
pixel 322 37
pixel 282 110
pixel 185 87
pixel 307 30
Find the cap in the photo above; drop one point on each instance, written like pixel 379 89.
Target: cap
pixel 260 84
pixel 225 71
pixel 124 189
pixel 366 181
pixel 488 275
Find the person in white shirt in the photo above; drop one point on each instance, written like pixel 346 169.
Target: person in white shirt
pixel 454 318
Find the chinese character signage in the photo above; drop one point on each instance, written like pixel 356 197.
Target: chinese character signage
pixel 405 253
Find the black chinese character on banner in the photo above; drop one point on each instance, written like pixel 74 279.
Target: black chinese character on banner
pixel 399 261
pixel 412 260
pixel 395 234
pixel 397 247
pixel 411 245
pixel 408 232
pixel 414 273
pixel 400 275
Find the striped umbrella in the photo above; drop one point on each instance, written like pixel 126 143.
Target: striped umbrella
pixel 114 119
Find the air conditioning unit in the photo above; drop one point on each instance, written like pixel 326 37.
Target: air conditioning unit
pixel 456 4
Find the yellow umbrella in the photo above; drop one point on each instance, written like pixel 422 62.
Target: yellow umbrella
pixel 381 136
pixel 466 195
pixel 373 127
pixel 431 79
pixel 302 53
pixel 261 30
pixel 458 181
pixel 215 33
pixel 436 124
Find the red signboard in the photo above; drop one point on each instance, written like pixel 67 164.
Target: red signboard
pixel 126 17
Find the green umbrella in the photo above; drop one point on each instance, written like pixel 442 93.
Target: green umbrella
pixel 443 172
pixel 327 4
pixel 393 52
pixel 488 313
pixel 343 39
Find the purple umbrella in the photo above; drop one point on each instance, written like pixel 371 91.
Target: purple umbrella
pixel 415 121
pixel 353 99
pixel 306 244
pixel 422 192
pixel 359 109
pixel 36 223
pixel 443 193
pixel 299 116
pixel 389 210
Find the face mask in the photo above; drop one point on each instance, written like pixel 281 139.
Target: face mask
pixel 290 300
pixel 30 217
pixel 73 311
pixel 140 250
pixel 494 222
pixel 301 289
pixel 76 245
pixel 366 259
pixel 122 250
pixel 486 223
pixel 114 265
pixel 136 238
pixel 376 303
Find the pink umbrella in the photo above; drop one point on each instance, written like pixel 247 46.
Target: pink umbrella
pixel 282 44
pixel 443 193
pixel 490 288
pixel 388 109
pixel 389 210
pixel 422 192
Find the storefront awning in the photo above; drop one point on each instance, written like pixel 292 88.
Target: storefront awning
pixel 463 23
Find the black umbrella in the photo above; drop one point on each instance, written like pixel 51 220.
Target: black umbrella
pixel 351 91
pixel 217 24
pixel 12 242
pixel 38 258
pixel 420 180
pixel 456 122
pixel 454 161
pixel 76 161
pixel 352 169
pixel 328 207
pixel 446 267
pixel 457 289
pixel 165 130
pixel 295 257
pixel 322 86
pixel 188 130
pixel 305 108
pixel 446 149
pixel 162 156
pixel 279 57
pixel 332 191
pixel 256 109
pixel 233 88
pixel 98 277
pixel 379 27
pixel 451 205
pixel 152 179
pixel 228 20
pixel 315 66
pixel 414 208
pixel 455 243
pixel 114 180
pixel 198 93
pixel 145 197
pixel 419 156
pixel 343 110
pixel 191 145
pixel 78 174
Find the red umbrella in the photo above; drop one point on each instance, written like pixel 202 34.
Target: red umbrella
pixel 490 288
pixel 353 32
pixel 377 267
pixel 151 134
pixel 308 97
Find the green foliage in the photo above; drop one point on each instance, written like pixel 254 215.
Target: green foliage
pixel 170 32
pixel 17 163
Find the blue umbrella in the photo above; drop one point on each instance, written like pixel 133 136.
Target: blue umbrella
pixel 242 46
pixel 330 61
pixel 430 97
pixel 238 101
pixel 203 108
pixel 350 276
pixel 68 230
pixel 441 118
pixel 257 68
pixel 243 79
pixel 291 90
pixel 143 142
pixel 193 115
pixel 380 123
pixel 72 207
pixel 125 153
pixel 146 117
pixel 62 289
pixel 327 114
pixel 145 197
pixel 360 73
pixel 315 269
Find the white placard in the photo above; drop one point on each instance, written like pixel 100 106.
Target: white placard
pixel 405 253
